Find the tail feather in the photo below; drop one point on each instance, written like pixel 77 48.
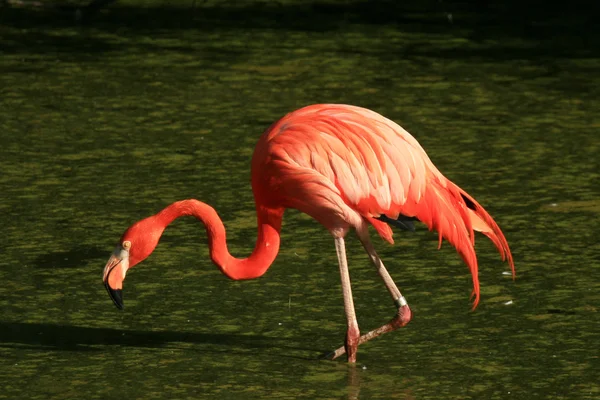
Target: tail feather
pixel 456 215
pixel 490 228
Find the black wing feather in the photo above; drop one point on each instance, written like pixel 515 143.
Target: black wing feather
pixel 403 222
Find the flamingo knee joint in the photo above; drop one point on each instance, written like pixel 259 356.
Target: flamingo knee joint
pixel 400 302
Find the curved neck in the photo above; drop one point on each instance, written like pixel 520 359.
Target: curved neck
pixel 265 250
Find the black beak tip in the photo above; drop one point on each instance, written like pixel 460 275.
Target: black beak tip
pixel 117 296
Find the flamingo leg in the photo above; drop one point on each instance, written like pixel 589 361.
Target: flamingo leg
pixel 353 333
pixel 399 300
pixel 403 313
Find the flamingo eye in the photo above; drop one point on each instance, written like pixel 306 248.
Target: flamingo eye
pixel 126 245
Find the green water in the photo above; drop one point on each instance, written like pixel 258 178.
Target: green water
pixel 107 122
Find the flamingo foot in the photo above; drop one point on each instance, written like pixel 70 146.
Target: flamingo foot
pixel 352 342
pixel 403 317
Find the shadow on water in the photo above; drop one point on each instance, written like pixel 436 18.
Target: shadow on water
pixel 73 258
pixel 503 29
pixel 43 336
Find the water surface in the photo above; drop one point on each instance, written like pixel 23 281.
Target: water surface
pixel 107 122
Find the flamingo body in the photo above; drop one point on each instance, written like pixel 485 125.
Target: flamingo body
pixel 345 166
pixel 348 168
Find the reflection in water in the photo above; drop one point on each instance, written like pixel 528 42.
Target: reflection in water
pixel 354 382
pixel 361 379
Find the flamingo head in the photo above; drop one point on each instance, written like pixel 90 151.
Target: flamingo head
pixel 136 244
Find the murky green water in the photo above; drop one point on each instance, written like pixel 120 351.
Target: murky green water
pixel 103 124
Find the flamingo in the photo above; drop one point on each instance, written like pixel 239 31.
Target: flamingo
pixel 348 168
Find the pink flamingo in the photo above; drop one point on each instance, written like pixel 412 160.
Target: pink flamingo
pixel 347 167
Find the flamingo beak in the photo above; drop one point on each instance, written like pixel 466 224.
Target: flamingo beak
pixel 114 274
